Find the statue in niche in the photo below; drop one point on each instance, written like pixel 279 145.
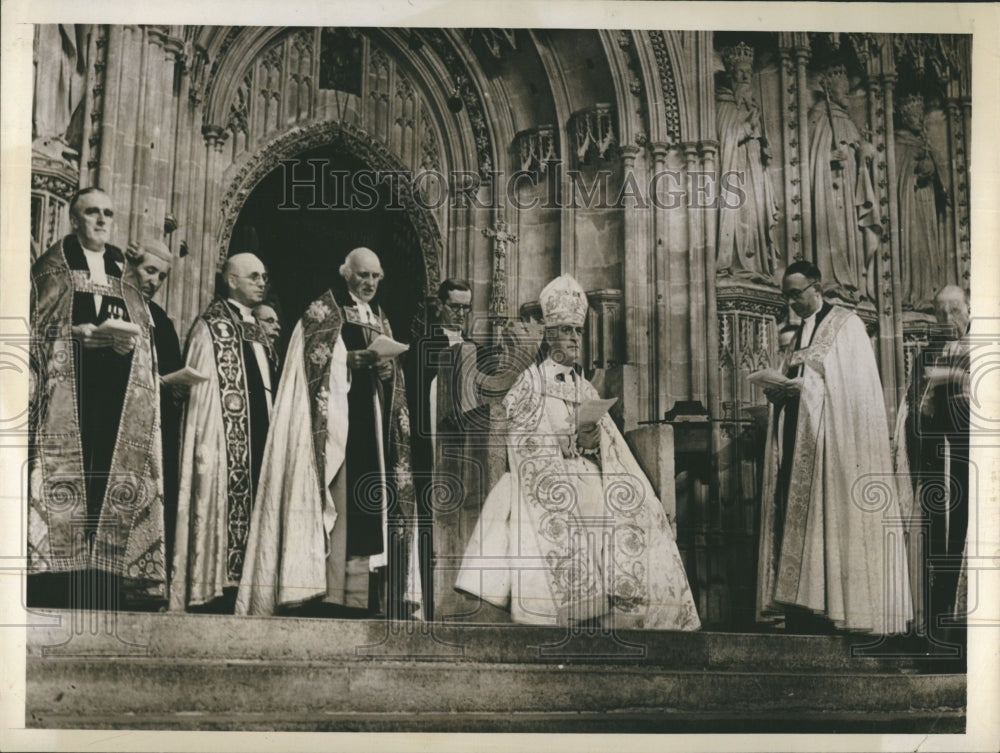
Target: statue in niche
pixel 846 223
pixel 748 211
pixel 60 84
pixel 921 200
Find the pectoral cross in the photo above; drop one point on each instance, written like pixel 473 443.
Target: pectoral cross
pixel 498 286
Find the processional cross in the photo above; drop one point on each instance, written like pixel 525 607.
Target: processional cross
pixel 498 285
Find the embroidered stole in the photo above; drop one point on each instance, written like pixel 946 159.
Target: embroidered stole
pixel 130 529
pixel 228 334
pixel 810 418
pixel 320 329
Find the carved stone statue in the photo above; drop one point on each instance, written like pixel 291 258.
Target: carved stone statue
pixel 846 222
pixel 60 83
pixel 747 209
pixel 921 199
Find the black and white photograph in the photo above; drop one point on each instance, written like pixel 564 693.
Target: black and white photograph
pixel 616 369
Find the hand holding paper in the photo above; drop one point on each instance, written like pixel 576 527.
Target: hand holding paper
pixel 186 376
pixel 386 347
pixel 590 411
pixel 122 334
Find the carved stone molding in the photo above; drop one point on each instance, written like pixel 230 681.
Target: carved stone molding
pixel 497 43
pixel 604 347
pixel 469 95
pixel 220 55
pixel 535 148
pixel 750 298
pixel 668 85
pixel 97 105
pixel 636 87
pixel 350 140
pixel 593 132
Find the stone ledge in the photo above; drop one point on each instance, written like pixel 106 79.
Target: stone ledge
pixel 223 637
pixel 636 721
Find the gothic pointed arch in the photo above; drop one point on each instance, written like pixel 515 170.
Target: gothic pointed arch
pixel 348 139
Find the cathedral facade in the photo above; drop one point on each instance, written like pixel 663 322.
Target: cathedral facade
pixel 673 173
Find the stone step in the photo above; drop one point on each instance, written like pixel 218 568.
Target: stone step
pixel 143 686
pixel 187 671
pixel 653 721
pixel 226 637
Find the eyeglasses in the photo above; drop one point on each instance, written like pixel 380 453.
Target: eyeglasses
pixel 458 308
pixel 794 295
pixel 256 277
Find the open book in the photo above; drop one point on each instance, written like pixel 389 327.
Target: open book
pixel 766 378
pixel 118 328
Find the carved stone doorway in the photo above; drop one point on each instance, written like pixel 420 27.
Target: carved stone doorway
pixel 303 234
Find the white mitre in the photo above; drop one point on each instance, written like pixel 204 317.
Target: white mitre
pixel 563 302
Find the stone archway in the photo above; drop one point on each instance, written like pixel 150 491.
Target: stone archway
pixel 359 150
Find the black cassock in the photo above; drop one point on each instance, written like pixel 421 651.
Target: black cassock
pixel 101 379
pixel 364 513
pixel 168 360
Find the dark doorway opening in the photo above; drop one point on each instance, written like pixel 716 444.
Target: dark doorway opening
pixel 304 244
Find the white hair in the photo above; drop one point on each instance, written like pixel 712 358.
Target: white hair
pixel 354 255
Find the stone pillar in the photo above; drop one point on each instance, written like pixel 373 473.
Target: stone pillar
pixel 208 257
pixel 653 446
pixel 112 98
pixel 696 279
pixel 150 107
pixel 708 152
pixel 659 310
pixel 639 314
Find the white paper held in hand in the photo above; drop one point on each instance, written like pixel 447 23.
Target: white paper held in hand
pixel 186 376
pixel 386 347
pixel 118 328
pixel 590 411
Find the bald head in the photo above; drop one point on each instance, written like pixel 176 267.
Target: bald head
pixel 363 272
pixel 951 306
pixel 245 278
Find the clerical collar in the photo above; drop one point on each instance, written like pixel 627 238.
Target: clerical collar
pixel 245 311
pixel 552 370
pixel 453 334
pixel 358 301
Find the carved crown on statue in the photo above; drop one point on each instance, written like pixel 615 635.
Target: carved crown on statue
pixel 563 302
pixel 913 106
pixel 833 73
pixel 740 53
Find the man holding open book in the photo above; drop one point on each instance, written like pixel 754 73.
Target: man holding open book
pixel 336 510
pixel 95 517
pixel 573 532
pixel 831 553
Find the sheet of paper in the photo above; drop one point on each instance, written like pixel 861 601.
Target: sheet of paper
pixel 771 378
pixel 186 376
pixel 386 347
pixel 118 328
pixel 591 410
